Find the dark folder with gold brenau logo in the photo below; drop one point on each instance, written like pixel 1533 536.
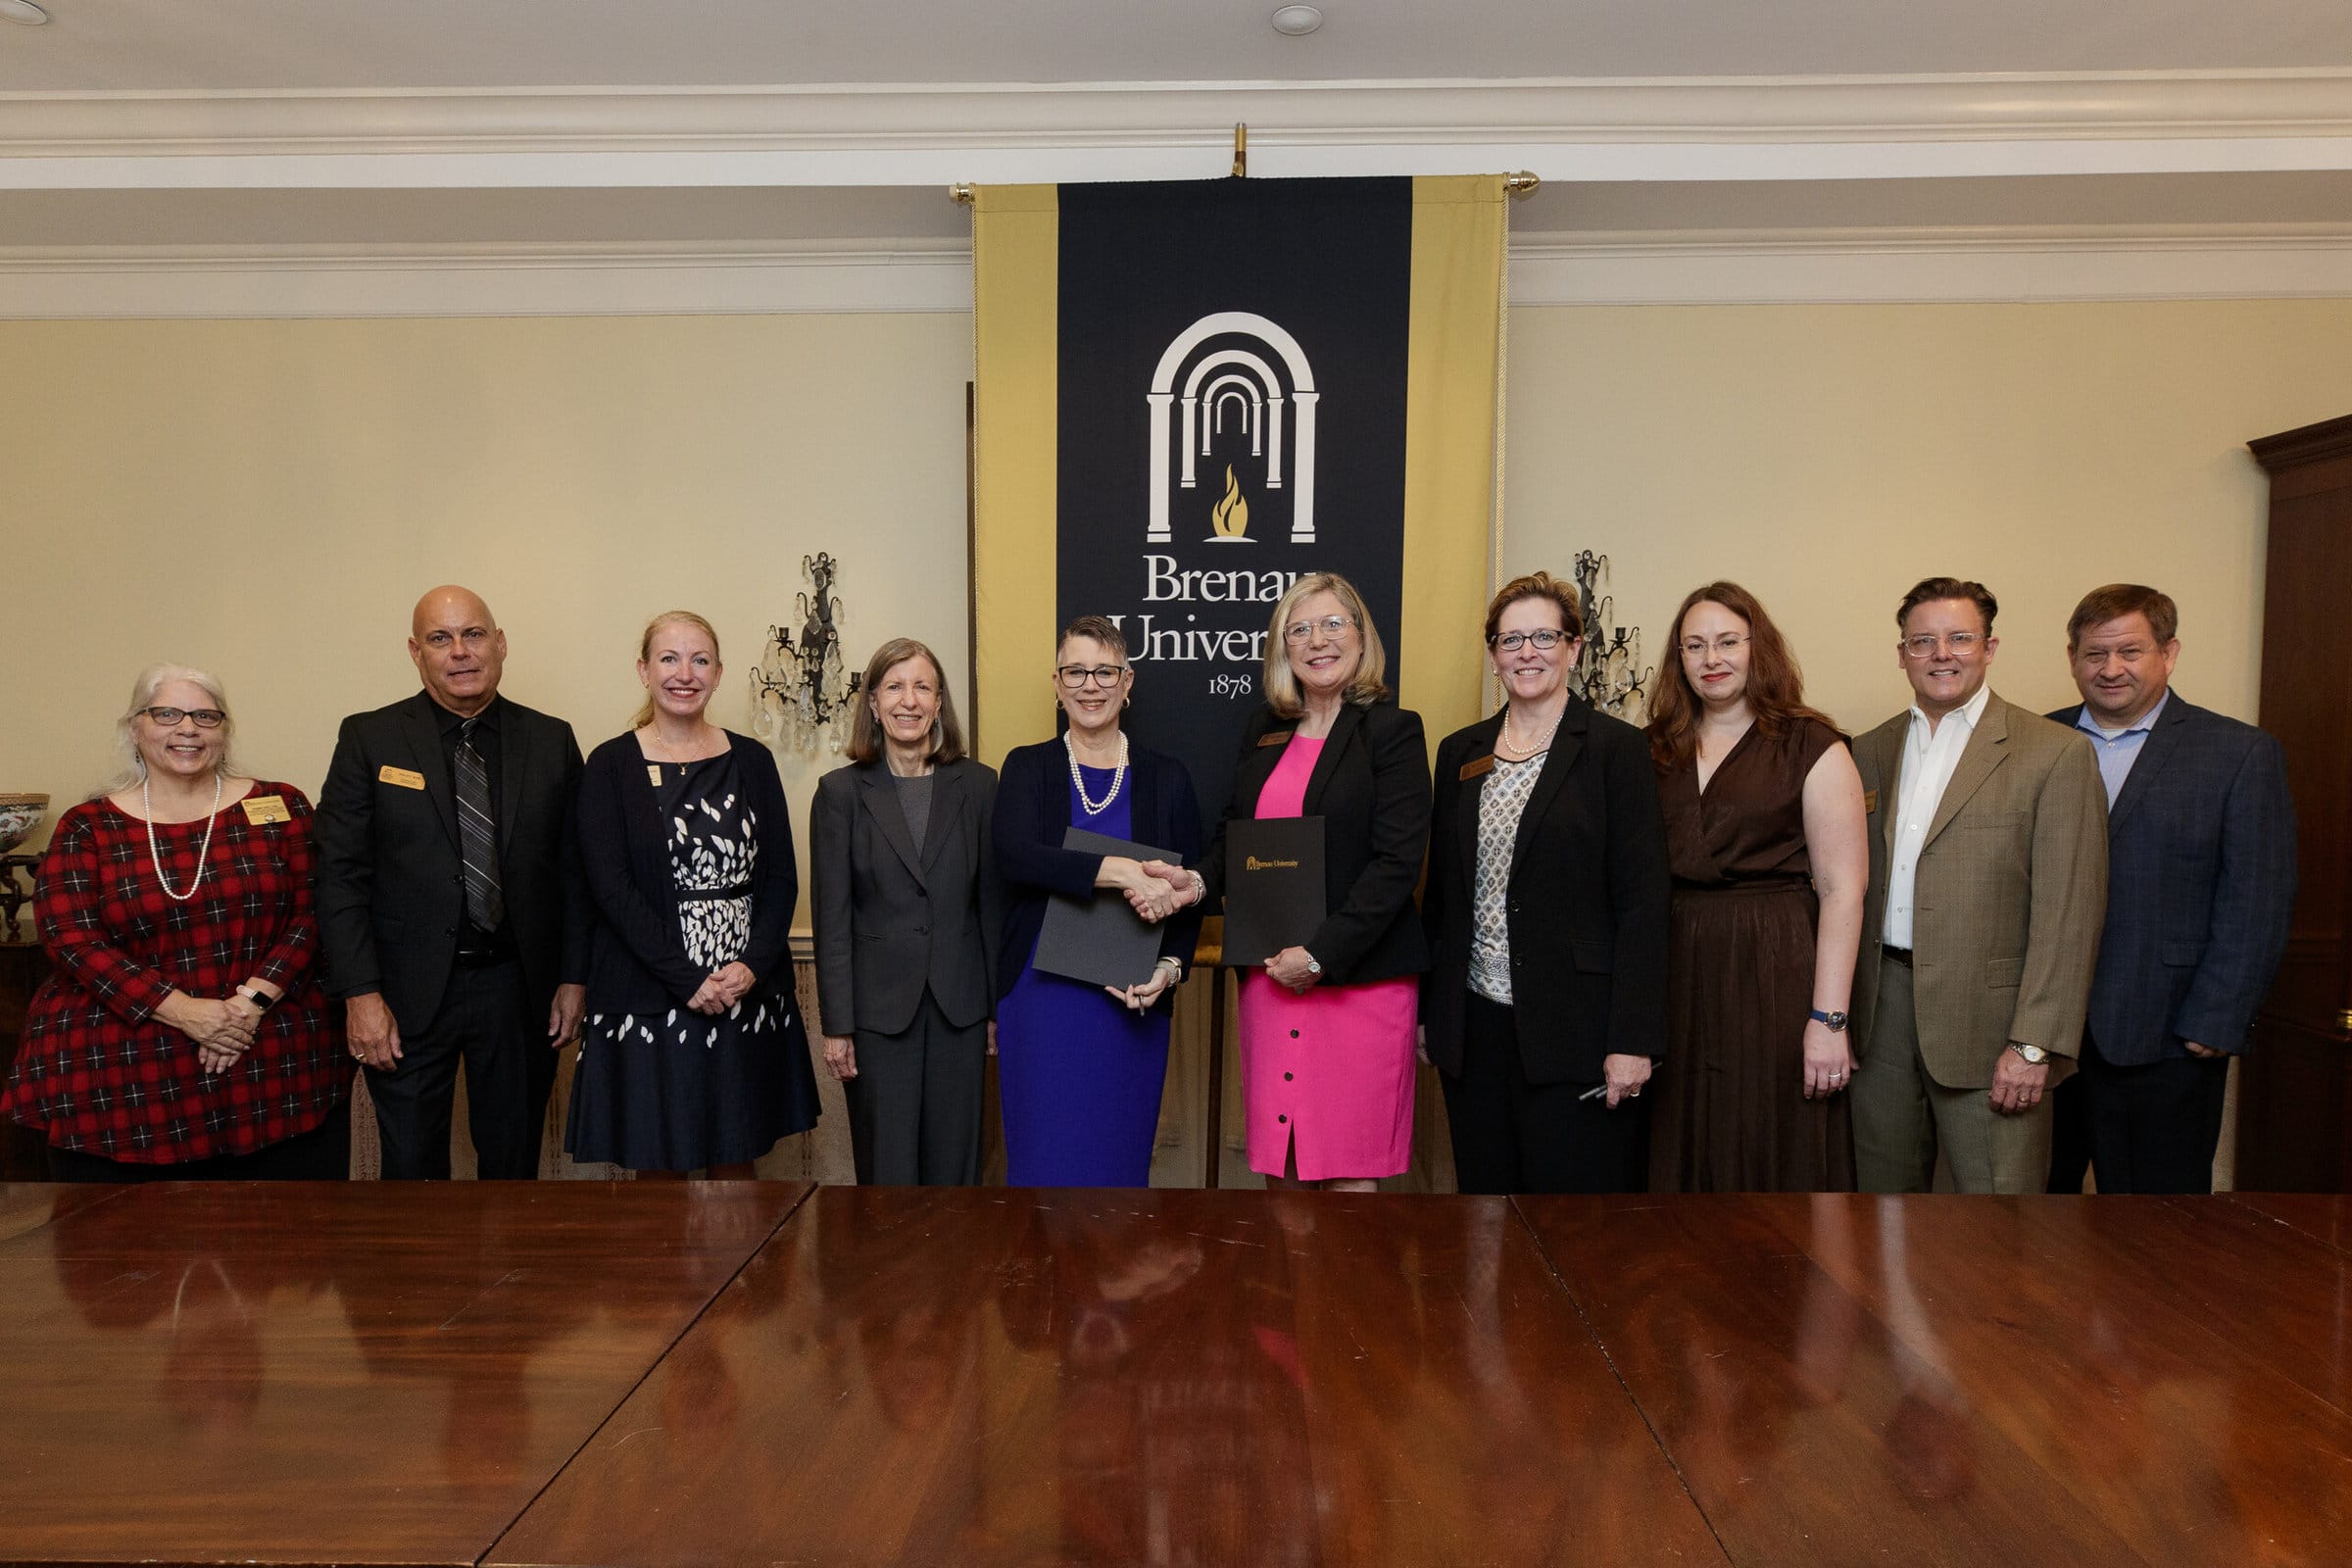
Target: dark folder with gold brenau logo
pixel 1273 886
pixel 1101 939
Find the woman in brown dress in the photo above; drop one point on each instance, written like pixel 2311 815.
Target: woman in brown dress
pixel 1766 833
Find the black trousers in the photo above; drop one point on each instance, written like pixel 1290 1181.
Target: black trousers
pixel 1513 1136
pixel 485 1021
pixel 322 1155
pixel 2146 1129
pixel 914 1105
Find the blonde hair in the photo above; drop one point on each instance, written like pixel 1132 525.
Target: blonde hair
pixel 142 697
pixel 865 732
pixel 645 651
pixel 1369 683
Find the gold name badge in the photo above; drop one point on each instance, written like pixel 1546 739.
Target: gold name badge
pixel 260 808
pixel 1484 764
pixel 652 771
pixel 388 774
pixel 1281 737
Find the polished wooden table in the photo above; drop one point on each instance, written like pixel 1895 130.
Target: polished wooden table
pixel 669 1373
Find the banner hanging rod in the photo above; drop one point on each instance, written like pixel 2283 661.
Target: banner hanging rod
pixel 1521 185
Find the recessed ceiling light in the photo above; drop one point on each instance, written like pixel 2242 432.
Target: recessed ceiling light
pixel 1296 21
pixel 24 13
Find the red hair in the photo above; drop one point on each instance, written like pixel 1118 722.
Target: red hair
pixel 1775 687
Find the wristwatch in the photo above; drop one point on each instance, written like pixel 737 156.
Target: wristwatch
pixel 1312 967
pixel 256 995
pixel 2034 1055
pixel 1170 961
pixel 1836 1020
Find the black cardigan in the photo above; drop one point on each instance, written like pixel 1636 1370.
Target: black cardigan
pixel 636 959
pixel 1371 788
pixel 1033 812
pixel 1586 902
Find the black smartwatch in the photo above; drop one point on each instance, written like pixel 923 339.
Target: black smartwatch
pixel 256 995
pixel 1836 1020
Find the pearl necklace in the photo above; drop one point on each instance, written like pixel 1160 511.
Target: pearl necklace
pixel 1511 745
pixel 147 806
pixel 1118 776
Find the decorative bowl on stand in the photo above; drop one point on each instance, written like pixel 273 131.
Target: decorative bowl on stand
pixel 19 814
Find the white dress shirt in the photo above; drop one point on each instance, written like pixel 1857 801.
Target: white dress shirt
pixel 1928 758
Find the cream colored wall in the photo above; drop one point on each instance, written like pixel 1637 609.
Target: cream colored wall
pixel 1829 457
pixel 268 497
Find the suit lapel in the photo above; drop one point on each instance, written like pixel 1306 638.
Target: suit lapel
pixel 1897 751
pixel 1986 749
pixel 881 799
pixel 945 782
pixel 420 726
pixel 1567 744
pixel 2154 753
pixel 1343 732
pixel 515 754
pixel 1142 807
pixel 1474 795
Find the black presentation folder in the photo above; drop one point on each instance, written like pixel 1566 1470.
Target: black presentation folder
pixel 1273 886
pixel 1100 938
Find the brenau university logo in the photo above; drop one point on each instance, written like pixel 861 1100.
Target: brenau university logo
pixel 1233 392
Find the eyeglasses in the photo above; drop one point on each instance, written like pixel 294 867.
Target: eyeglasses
pixel 1330 627
pixel 1075 676
pixel 1727 645
pixel 1511 642
pixel 1959 645
pixel 170 717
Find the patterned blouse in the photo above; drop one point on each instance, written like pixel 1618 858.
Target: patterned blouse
pixel 1500 805
pixel 97 1071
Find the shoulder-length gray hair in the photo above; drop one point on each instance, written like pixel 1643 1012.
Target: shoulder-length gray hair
pixel 142 698
pixel 1370 682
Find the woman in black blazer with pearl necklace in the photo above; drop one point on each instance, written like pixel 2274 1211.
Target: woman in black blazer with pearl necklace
pixel 1546 908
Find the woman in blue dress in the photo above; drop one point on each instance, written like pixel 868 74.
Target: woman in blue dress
pixel 1080 1066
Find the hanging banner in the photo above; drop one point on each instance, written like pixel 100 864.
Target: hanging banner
pixel 1192 394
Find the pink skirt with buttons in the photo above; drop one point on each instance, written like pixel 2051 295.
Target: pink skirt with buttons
pixel 1330 1074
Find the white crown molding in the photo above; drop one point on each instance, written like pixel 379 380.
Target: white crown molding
pixel 1844 266
pixel 1913 266
pixel 1755 128
pixel 456 281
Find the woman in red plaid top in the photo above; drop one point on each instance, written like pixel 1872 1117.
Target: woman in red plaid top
pixel 183 1033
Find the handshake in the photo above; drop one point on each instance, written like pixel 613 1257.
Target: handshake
pixel 1155 889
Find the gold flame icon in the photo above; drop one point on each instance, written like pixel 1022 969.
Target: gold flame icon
pixel 1231 514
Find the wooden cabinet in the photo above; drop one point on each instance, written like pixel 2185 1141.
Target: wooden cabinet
pixel 22 967
pixel 2294 1128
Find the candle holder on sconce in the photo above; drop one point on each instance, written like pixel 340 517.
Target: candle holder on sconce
pixel 800 690
pixel 1609 672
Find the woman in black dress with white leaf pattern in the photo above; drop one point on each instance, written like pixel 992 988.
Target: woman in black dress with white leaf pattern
pixel 692 1055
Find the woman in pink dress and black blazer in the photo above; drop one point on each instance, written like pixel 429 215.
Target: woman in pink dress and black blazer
pixel 1327 1026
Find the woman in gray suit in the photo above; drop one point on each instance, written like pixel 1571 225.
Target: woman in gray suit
pixel 907 913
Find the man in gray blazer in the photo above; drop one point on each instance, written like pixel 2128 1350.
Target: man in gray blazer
pixel 1988 883
pixel 2200 883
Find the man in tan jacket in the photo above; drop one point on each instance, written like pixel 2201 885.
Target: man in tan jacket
pixel 1981 929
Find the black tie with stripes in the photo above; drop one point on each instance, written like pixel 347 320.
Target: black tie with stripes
pixel 477 835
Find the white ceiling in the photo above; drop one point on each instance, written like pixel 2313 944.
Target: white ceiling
pixel 294 129
pixel 274 46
